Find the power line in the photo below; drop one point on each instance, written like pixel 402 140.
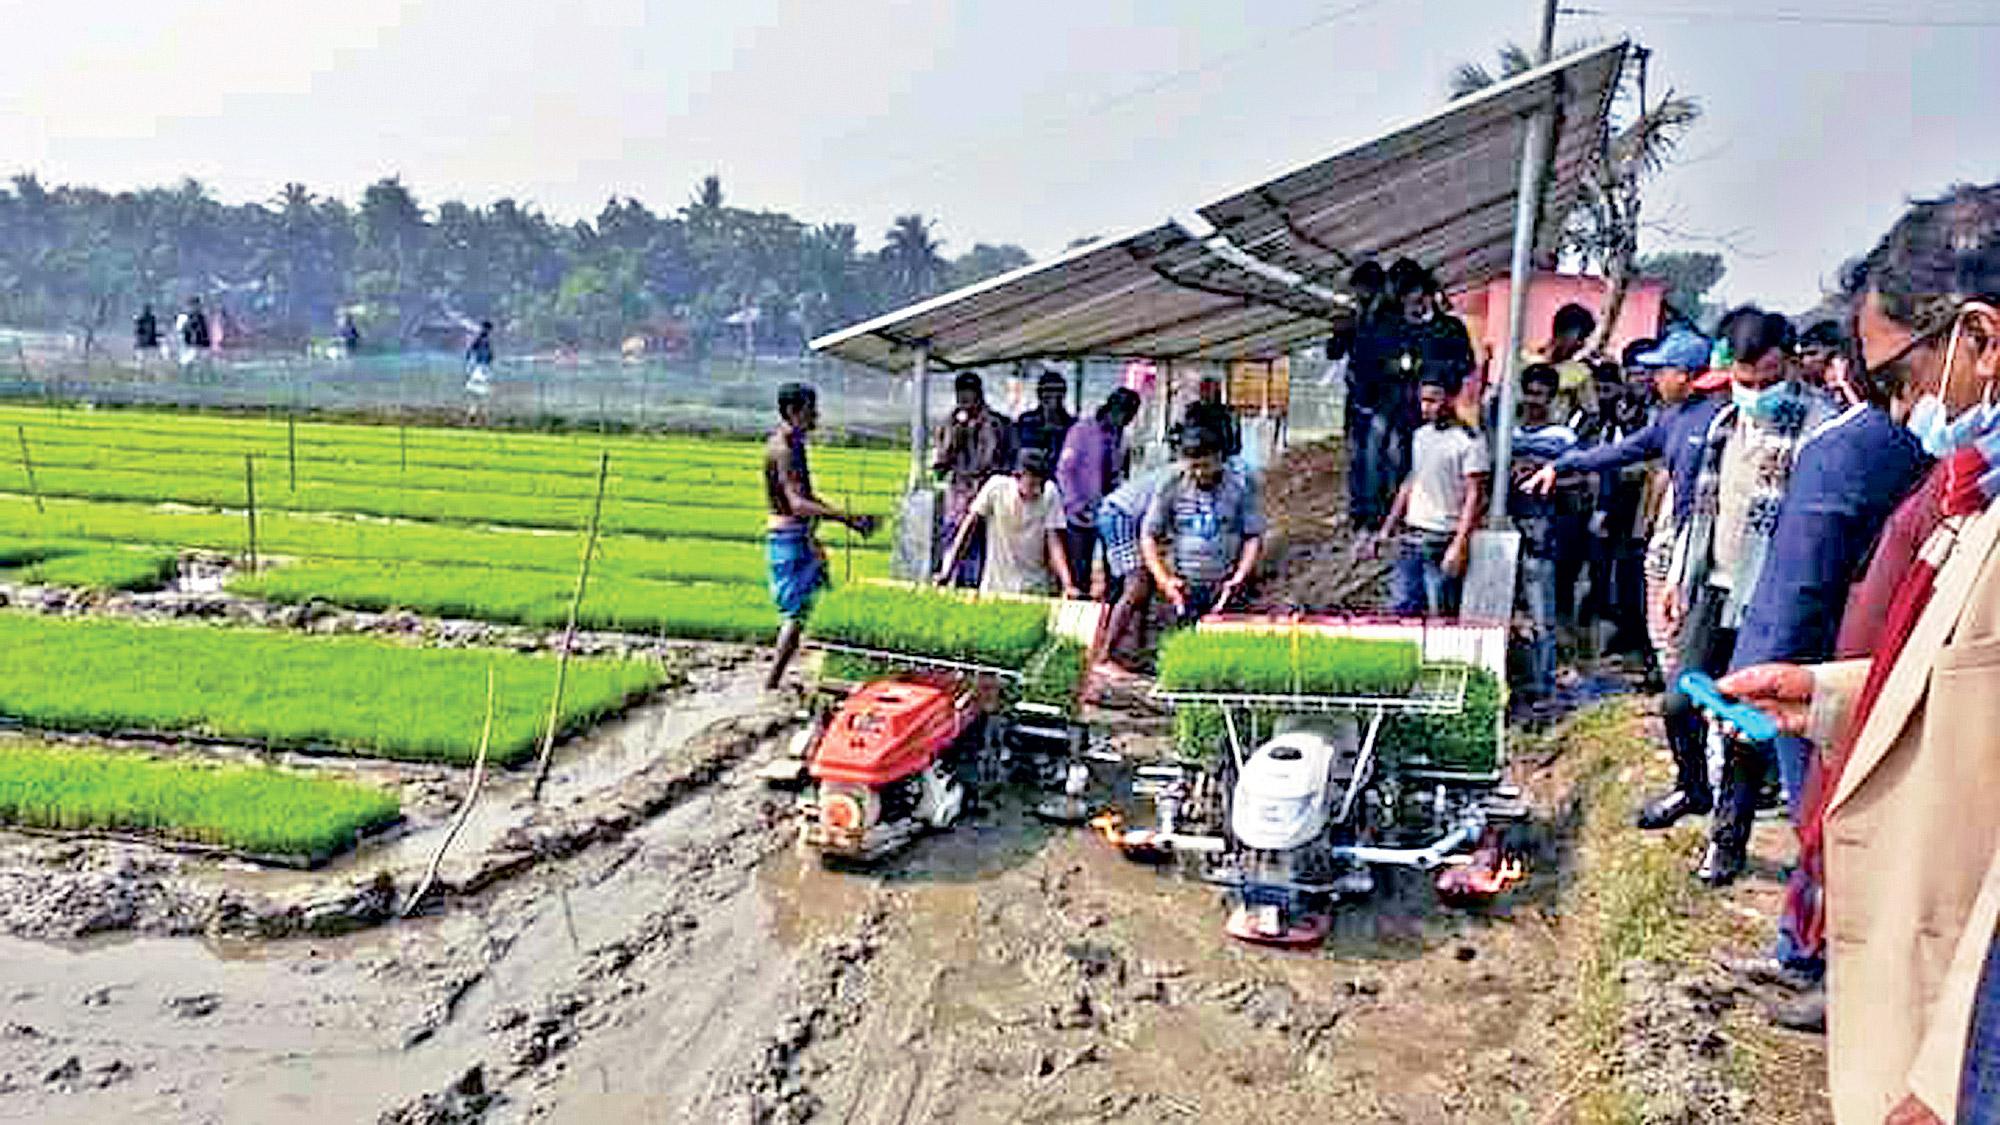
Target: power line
pixel 1145 89
pixel 1782 17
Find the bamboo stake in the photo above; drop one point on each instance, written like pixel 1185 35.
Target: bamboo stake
pixel 250 494
pixel 28 466
pixel 569 629
pixel 464 810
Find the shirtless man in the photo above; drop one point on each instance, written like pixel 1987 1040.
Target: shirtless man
pixel 798 562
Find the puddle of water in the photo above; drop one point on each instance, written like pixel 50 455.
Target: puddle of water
pixel 806 900
pixel 194 576
pixel 269 1037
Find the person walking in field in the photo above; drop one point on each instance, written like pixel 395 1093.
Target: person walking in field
pixel 145 335
pixel 1022 517
pixel 192 328
pixel 479 370
pixel 797 559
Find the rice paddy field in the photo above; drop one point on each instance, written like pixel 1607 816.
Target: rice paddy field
pixel 481 525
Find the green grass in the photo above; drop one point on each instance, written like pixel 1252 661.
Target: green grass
pixel 1194 660
pixel 921 622
pixel 256 809
pixel 354 695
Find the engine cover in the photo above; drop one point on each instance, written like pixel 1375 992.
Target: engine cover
pixel 1284 793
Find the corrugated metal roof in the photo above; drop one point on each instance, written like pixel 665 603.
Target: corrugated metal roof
pixel 1440 190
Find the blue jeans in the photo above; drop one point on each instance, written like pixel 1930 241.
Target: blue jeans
pixel 1377 462
pixel 1538 599
pixel 1418 585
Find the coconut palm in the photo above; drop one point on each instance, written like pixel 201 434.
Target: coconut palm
pixel 911 258
pixel 1603 227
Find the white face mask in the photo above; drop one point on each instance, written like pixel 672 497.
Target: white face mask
pixel 1930 420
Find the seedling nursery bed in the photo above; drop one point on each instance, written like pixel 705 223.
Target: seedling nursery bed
pixel 345 695
pixel 266 814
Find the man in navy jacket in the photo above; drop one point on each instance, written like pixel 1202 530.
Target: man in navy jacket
pixel 1674 436
pixel 1848 477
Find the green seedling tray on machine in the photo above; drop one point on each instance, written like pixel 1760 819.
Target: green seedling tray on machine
pixel 1447 722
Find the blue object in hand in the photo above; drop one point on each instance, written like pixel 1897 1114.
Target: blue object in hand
pixel 1751 724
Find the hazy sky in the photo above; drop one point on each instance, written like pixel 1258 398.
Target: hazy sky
pixel 1029 121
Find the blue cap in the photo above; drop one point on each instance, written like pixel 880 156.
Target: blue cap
pixel 1682 348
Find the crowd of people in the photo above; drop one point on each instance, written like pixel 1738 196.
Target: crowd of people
pixel 1803 519
pixel 1032 505
pixel 1047 504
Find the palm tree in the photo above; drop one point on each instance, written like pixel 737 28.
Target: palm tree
pixel 910 256
pixel 1471 77
pixel 1603 226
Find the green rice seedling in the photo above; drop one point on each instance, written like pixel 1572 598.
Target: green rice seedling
pixel 540 598
pixel 94 566
pixel 848 668
pixel 921 622
pixel 1278 663
pixel 1054 676
pixel 1466 741
pixel 1201 733
pixel 306 535
pixel 256 809
pixel 671 483
pixel 744 522
pixel 149 431
pixel 113 568
pixel 350 694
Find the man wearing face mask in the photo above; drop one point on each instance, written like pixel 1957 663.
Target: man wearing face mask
pixel 1851 473
pixel 1746 464
pixel 1900 821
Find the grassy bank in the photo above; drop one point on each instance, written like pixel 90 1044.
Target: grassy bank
pixel 255 809
pixel 1647 1029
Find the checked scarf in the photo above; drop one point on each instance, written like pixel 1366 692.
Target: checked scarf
pixel 1775 444
pixel 1971 482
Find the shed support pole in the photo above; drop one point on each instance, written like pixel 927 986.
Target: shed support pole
pixel 1527 205
pixel 1082 371
pixel 920 417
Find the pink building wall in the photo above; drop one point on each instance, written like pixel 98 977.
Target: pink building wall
pixel 1485 310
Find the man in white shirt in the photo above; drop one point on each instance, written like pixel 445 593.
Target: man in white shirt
pixel 1024 521
pixel 1437 509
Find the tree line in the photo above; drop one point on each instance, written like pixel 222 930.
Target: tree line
pixel 709 276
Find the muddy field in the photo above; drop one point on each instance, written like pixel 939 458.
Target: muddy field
pixel 649 945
